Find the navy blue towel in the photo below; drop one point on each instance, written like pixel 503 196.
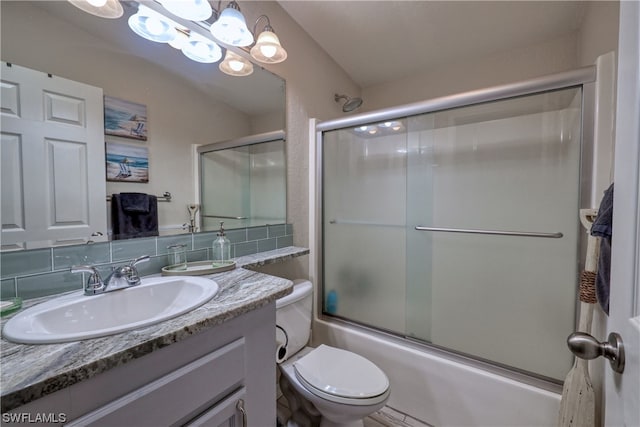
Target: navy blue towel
pixel 134 215
pixel 603 227
pixel 135 202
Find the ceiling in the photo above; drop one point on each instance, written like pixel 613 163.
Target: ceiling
pixel 380 41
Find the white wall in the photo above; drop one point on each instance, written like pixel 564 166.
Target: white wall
pixel 599 31
pixel 178 114
pixel 312 79
pixel 475 73
pixel 264 123
pixel 598 34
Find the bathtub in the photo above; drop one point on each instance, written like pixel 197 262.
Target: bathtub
pixel 438 390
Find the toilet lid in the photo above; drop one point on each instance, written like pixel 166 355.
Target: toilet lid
pixel 341 373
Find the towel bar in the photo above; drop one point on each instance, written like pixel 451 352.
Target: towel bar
pixel 224 217
pixel 493 232
pixel 373 224
pixel 166 197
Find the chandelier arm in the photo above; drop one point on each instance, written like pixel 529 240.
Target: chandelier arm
pixel 216 11
pixel 266 28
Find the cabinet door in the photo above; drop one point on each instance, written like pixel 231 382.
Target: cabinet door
pixel 177 397
pixel 228 413
pixel 53 165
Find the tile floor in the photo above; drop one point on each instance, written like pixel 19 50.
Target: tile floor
pixel 386 417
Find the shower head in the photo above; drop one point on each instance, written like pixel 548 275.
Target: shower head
pixel 350 104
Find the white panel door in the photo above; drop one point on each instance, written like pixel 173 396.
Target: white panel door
pixel 11 182
pixel 53 165
pixel 623 390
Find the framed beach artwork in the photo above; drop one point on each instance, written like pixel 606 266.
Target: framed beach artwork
pixel 125 119
pixel 127 163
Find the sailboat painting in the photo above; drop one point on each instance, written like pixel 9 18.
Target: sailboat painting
pixel 124 118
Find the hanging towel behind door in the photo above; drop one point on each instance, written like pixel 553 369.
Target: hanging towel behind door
pixel 134 215
pixel 603 228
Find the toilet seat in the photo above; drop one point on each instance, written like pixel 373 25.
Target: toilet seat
pixel 341 376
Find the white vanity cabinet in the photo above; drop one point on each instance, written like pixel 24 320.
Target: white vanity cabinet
pixel 223 376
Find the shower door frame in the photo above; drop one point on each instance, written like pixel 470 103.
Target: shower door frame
pixel 584 77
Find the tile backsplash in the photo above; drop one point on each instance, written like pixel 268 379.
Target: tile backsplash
pixel 39 272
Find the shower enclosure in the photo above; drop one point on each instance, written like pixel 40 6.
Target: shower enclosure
pixel 243 182
pixel 454 222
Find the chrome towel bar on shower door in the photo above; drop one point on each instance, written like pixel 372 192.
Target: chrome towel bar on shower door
pixel 225 216
pixel 557 235
pixel 492 232
pixel 373 224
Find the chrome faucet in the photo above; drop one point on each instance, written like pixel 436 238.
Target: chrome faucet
pixel 125 276
pixel 120 278
pixel 94 284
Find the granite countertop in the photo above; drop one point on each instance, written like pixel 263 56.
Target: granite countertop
pixel 33 371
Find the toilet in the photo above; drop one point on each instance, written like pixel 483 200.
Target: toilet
pixel 333 386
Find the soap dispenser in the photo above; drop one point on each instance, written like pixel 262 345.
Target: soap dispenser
pixel 221 248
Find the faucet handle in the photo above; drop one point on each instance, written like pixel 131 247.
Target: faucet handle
pixel 94 283
pixel 131 272
pixel 143 258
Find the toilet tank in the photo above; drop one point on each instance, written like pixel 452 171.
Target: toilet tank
pixel 293 315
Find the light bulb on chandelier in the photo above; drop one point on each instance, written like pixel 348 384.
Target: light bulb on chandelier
pixel 97 3
pixel 230 28
pixel 267 48
pixel 111 9
pixel 235 65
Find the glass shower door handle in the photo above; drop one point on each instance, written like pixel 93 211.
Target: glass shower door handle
pixel 587 347
pixel 556 235
pixel 225 217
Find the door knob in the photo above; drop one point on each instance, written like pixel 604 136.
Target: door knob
pixel 587 347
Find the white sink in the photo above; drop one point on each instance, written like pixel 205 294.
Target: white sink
pixel 76 316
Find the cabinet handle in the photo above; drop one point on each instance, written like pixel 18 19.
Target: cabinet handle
pixel 243 412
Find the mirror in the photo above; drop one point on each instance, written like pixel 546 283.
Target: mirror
pixel 188 104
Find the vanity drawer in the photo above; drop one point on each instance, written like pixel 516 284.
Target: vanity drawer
pixel 179 395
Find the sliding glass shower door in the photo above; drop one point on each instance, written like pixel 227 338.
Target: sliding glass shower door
pixel 243 184
pixel 459 228
pixel 365 204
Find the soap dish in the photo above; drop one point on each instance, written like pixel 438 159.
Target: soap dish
pixel 199 268
pixel 10 306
